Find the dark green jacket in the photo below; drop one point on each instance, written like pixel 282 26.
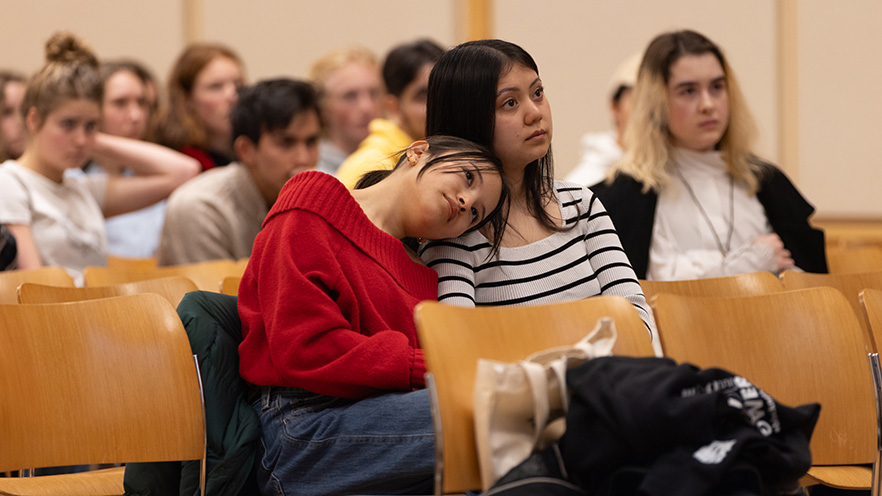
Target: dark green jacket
pixel 215 331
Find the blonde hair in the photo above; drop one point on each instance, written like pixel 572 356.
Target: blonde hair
pixel 323 67
pixel 177 126
pixel 70 73
pixel 647 140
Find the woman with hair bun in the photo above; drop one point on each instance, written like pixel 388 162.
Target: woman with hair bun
pixel 57 217
pixel 202 90
pixel 690 199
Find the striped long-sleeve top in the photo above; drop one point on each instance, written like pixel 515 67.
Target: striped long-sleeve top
pixel 578 262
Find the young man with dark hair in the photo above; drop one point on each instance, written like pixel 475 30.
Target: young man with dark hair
pixel 406 75
pixel 218 214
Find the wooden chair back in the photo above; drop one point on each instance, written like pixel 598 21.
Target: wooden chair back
pixel 871 311
pixel 10 280
pixel 850 284
pixel 800 346
pixel 110 380
pixel 841 260
pixel 230 285
pixel 753 283
pixel 241 264
pixel 125 263
pixel 172 289
pixel 453 338
pixel 206 275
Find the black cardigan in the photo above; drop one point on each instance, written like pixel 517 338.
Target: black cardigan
pixel 633 214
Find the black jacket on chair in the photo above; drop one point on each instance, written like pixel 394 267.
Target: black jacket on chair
pixel 651 427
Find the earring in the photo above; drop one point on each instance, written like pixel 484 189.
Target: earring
pixel 411 160
pixel 421 240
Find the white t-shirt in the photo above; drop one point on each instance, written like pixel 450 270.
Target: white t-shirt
pixel 66 219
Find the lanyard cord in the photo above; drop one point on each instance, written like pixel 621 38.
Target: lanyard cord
pixel 723 250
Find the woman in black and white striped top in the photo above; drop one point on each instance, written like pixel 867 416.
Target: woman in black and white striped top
pixel 559 243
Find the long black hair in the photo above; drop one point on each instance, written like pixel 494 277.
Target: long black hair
pixel 462 102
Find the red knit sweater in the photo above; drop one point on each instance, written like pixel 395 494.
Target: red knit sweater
pixel 327 299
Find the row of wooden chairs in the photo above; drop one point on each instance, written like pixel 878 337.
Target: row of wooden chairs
pixel 206 275
pixel 779 348
pixel 223 276
pixel 757 283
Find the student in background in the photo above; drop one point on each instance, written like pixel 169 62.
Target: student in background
pixel 57 218
pixel 600 151
pixel 12 133
pixel 327 318
pixel 151 92
pixel 406 74
pixel 690 199
pixel 202 89
pixel 125 112
pixel 276 132
pixel 350 90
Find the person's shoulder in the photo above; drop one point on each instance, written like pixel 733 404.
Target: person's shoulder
pixel 769 175
pixel 7 171
pixel 202 189
pixel 569 191
pixel 11 168
pixel 312 180
pixel 316 192
pixel 621 183
pixel 207 184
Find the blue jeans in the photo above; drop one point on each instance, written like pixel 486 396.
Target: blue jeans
pixel 315 445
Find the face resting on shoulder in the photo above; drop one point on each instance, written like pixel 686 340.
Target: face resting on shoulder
pixel 280 154
pixel 698 102
pixel 449 197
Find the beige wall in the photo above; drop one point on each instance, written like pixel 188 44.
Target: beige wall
pixel 577 44
pixel 840 106
pixel 151 31
pixel 283 37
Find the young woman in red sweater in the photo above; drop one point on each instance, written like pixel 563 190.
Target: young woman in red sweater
pixel 327 313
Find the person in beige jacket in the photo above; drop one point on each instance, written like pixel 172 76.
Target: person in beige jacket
pixel 276 131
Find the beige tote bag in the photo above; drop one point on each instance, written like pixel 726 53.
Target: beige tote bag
pixel 521 406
